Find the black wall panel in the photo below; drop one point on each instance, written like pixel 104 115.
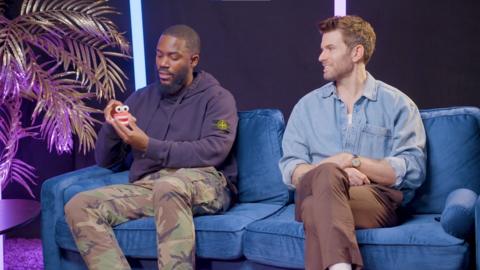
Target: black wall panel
pixel 428 49
pixel 264 52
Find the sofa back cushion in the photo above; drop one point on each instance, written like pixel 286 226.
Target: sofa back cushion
pixel 258 150
pixel 453 156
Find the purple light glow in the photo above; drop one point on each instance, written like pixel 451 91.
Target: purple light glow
pixel 1 245
pixel 1 239
pixel 340 7
pixel 55 66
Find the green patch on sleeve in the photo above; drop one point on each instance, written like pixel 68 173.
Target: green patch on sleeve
pixel 222 125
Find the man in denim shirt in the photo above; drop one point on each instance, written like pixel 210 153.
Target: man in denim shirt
pixel 354 149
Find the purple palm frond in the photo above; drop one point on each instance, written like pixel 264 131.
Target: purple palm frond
pixel 57 54
pixel 2 6
pixel 12 169
pixel 63 110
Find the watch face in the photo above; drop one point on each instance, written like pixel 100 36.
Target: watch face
pixel 356 162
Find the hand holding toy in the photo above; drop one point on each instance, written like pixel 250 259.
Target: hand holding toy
pixel 121 114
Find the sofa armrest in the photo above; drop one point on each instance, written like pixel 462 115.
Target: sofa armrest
pixel 458 216
pixel 477 233
pixel 52 202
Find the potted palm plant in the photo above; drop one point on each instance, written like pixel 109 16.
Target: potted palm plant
pixel 56 54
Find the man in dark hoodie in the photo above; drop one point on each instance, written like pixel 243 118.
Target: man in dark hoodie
pixel 180 133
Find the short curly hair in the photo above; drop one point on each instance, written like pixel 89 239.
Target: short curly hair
pixel 186 33
pixel 355 31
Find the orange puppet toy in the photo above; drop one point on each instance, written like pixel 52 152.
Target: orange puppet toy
pixel 121 114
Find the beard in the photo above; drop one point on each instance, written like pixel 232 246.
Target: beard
pixel 177 83
pixel 338 72
pixel 338 68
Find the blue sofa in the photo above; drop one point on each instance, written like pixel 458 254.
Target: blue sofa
pixel 259 232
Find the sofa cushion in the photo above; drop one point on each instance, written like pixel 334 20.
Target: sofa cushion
pixel 258 150
pixel 217 236
pixel 453 156
pixel 420 243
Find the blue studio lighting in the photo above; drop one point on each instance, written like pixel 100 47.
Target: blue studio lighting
pixel 136 21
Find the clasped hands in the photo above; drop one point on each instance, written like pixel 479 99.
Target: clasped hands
pixel 355 176
pixel 130 134
pixel 344 161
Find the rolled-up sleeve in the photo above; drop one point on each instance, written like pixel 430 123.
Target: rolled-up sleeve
pixel 400 168
pixel 294 144
pixel 408 157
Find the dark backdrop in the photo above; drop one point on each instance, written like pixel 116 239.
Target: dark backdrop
pixel 428 49
pixel 265 53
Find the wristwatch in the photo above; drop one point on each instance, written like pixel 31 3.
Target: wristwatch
pixel 356 161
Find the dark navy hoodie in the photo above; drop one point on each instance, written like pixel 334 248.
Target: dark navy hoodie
pixel 196 127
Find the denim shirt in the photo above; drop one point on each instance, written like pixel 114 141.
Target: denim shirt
pixel 386 124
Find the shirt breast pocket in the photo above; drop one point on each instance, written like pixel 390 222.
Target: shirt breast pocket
pixel 375 141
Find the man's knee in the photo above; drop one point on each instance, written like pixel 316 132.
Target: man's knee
pixel 168 186
pixel 75 205
pixel 368 210
pixel 327 176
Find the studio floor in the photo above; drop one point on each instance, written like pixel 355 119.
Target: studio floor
pixel 23 254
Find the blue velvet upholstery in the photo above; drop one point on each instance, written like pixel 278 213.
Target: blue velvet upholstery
pixel 217 237
pixel 52 209
pixel 258 152
pixel 477 233
pixel 460 205
pixel 279 240
pixel 453 157
pixel 260 231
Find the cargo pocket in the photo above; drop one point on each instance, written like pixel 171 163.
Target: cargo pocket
pixel 207 193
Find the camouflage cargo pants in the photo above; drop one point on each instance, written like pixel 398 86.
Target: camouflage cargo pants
pixel 172 196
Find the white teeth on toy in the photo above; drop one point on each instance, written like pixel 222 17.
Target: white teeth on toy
pixel 122 119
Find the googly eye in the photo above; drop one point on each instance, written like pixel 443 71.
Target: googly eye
pixel 125 108
pixel 118 109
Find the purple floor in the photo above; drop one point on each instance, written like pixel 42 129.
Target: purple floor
pixel 23 254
